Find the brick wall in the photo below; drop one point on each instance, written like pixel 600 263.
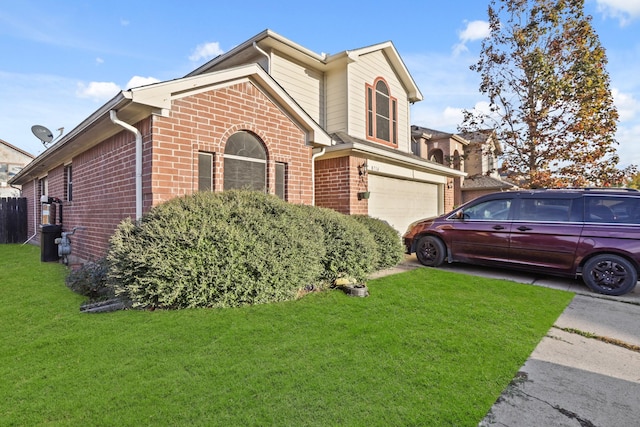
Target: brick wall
pixel 104 176
pixel 338 182
pixel 205 121
pixel 103 190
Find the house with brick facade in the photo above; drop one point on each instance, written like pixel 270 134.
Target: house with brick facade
pixel 12 160
pixel 318 129
pixel 475 153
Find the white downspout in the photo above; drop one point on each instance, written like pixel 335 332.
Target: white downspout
pixel 255 45
pixel 314 156
pixel 35 213
pixel 114 118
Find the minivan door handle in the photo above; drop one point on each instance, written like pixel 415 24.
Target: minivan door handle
pixel 523 228
pixel 498 227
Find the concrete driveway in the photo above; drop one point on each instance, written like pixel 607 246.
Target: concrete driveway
pixel 585 372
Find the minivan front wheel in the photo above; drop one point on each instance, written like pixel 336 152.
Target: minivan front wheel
pixel 430 251
pixel 610 275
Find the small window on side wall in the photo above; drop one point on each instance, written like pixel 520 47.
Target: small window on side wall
pixel 281 179
pixel 205 171
pixel 68 183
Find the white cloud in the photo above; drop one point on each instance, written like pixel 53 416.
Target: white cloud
pixel 626 105
pixel 206 51
pixel 475 30
pixel 124 22
pixel 99 61
pixel 137 81
pixel 623 10
pixel 98 91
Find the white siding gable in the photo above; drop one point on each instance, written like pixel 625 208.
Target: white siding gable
pixel 364 71
pixel 303 83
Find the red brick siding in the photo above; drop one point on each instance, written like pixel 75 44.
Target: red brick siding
pixel 205 121
pixel 103 190
pixel 104 176
pixel 338 182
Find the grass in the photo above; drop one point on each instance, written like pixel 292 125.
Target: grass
pixel 425 348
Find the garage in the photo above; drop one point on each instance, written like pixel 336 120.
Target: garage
pixel 401 201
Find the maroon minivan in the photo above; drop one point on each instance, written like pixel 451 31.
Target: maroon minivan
pixel 593 233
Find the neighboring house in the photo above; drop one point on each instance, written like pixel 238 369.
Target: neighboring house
pixel 12 160
pixel 482 166
pixel 329 130
pixel 475 153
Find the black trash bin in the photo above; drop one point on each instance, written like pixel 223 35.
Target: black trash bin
pixel 48 248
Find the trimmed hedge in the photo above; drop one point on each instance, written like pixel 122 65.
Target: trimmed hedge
pixel 350 248
pixel 240 247
pixel 216 250
pixel 387 239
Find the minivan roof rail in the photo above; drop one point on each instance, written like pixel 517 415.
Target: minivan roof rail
pixel 596 188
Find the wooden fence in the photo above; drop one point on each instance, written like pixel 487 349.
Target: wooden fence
pixel 13 220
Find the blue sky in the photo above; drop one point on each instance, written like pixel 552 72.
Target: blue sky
pixel 62 60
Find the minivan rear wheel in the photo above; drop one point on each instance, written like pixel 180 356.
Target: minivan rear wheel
pixel 610 274
pixel 430 251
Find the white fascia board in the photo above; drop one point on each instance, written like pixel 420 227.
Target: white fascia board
pixel 160 95
pixel 388 156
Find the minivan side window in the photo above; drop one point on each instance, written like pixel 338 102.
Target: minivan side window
pixel 603 209
pixel 490 210
pixel 545 209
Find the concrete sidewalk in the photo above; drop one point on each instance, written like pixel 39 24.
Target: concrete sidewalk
pixel 573 380
pixel 584 373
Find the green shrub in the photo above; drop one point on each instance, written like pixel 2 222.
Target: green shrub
pixel 350 248
pixel 90 280
pixel 388 241
pixel 216 250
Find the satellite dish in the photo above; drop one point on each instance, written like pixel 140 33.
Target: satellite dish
pixel 42 133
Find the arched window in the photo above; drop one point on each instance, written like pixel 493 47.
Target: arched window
pixel 245 162
pixel 437 156
pixel 382 113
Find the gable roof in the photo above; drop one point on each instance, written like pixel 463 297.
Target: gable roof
pixel 270 40
pixel 135 104
pixel 16 149
pixel 435 135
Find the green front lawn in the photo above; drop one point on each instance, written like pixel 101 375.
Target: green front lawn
pixel 425 348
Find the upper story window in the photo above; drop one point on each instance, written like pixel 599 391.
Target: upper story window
pixel 382 113
pixel 245 162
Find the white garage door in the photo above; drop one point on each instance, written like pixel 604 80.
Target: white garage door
pixel 400 202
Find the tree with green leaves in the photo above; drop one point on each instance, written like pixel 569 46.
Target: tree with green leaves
pixel 543 70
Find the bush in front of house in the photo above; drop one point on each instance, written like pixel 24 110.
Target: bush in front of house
pixel 388 241
pixel 216 250
pixel 350 247
pixel 90 280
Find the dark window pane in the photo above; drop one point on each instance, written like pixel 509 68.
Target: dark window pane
pixel 245 144
pixel 382 128
pixel 205 172
pixel 370 111
pixel 394 114
pixel 243 174
pixel 545 210
pixel 381 87
pixel 382 105
pixel 280 180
